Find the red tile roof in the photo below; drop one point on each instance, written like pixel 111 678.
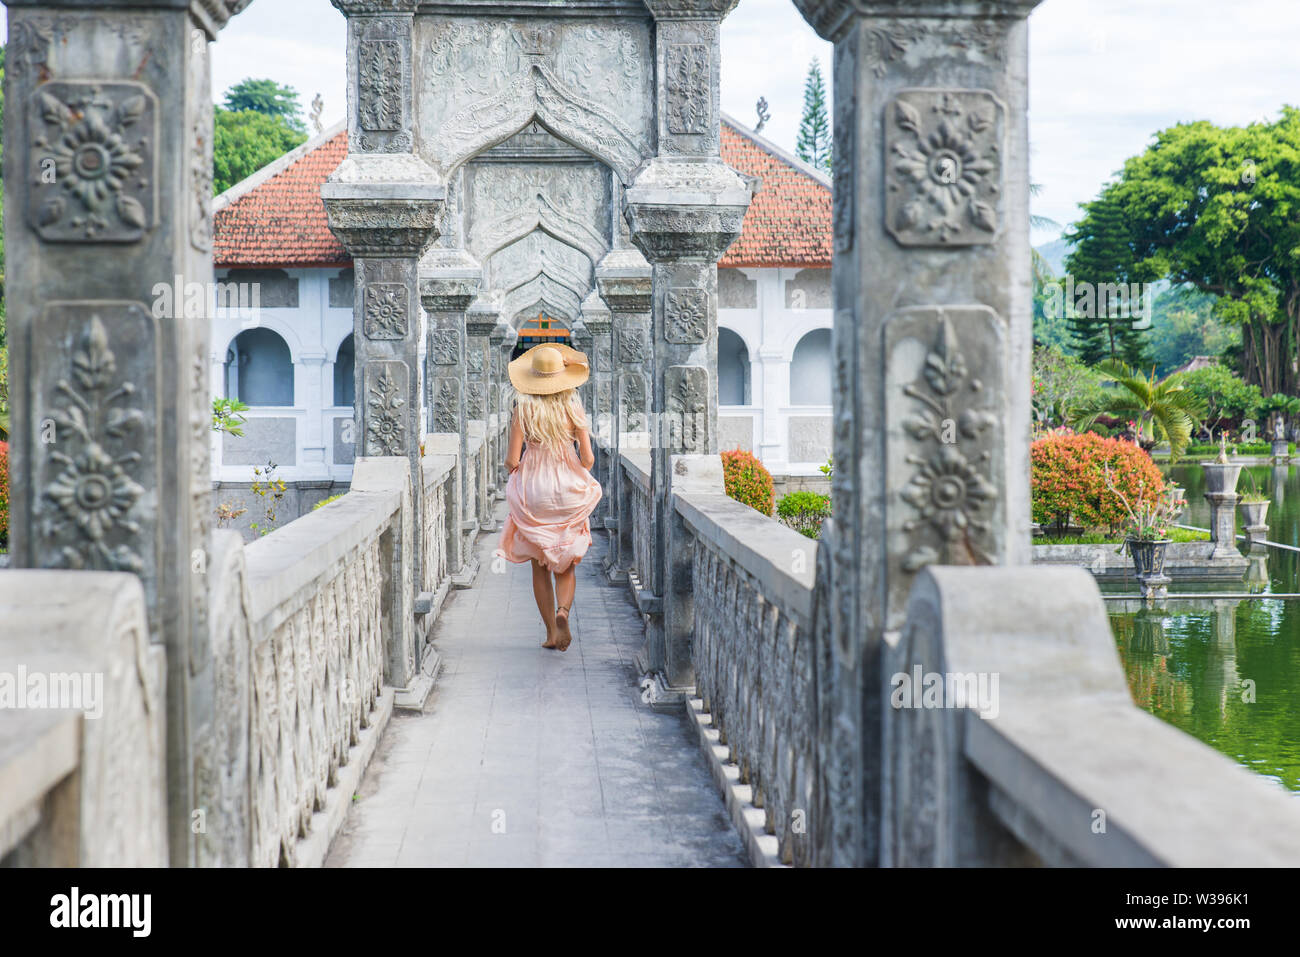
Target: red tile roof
pixel 276 218
pixel 789 220
pixel 281 221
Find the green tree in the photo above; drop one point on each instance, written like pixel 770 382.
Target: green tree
pixel 1102 257
pixel 814 146
pixel 269 98
pixel 246 141
pixel 1184 326
pixel 1215 208
pixel 1223 396
pixel 1161 409
pixel 1061 386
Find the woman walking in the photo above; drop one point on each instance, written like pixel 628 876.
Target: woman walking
pixel 550 492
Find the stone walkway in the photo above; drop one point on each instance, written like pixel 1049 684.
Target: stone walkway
pixel 525 757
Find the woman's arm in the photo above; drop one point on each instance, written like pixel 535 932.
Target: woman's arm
pixel 585 455
pixel 515 449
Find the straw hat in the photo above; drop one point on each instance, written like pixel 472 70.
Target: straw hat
pixel 547 369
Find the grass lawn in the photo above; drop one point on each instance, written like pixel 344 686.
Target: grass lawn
pixel 1104 538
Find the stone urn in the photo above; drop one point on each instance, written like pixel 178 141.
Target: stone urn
pixel 1254 516
pixel 1221 477
pixel 1149 566
pixel 1221 492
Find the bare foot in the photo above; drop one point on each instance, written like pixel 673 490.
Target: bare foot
pixel 550 640
pixel 562 628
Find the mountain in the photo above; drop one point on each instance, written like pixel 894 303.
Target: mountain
pixel 1055 253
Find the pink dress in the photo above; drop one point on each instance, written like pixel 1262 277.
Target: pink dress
pixel 550 497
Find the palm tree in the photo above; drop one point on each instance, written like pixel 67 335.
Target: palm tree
pixel 1161 408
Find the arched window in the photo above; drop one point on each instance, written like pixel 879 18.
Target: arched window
pixel 733 369
pixel 259 369
pixel 810 369
pixel 344 370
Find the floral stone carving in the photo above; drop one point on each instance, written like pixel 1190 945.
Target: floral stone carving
pixel 379 84
pixel 99 452
pixel 445 347
pixel 686 315
pixel 689 82
pixel 943 159
pixel 386 310
pixel 446 406
pixel 93 161
pixel 944 442
pixel 386 395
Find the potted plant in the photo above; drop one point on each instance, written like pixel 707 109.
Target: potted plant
pixel 1146 535
pixel 1254 511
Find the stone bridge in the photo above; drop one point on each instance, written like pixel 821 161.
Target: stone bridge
pixel 733 692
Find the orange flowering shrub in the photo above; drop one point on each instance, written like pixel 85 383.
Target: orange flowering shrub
pixel 1068 482
pixel 747 481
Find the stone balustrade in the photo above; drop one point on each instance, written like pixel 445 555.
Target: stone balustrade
pixel 1056 765
pixel 752 581
pixel 1026 749
pixel 314 633
pixel 82 723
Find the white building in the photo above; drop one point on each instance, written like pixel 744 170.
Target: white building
pixel 287 352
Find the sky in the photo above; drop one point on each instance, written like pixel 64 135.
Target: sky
pixel 1104 74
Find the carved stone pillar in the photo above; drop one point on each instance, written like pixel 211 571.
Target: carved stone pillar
pixel 109 378
pixel 581 337
pixel 498 356
pixel 932 340
pixel 684 209
pixel 384 204
pixel 445 299
pixel 625 284
pixel 598 320
pixel 480 321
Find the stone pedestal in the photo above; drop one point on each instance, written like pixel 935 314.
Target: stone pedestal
pixel 932 342
pixel 1281 450
pixel 1223 524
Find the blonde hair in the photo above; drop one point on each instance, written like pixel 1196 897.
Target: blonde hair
pixel 551 420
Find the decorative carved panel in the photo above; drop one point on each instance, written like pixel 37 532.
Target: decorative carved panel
pixel 96 419
pixel 94 165
pixel 686 315
pixel 689 78
pixel 387 391
pixel 387 310
pixel 446 347
pixel 686 394
pixel 943 167
pixel 379 84
pixel 446 405
pixel 944 406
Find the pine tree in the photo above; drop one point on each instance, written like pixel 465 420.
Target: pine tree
pixel 1103 257
pixel 814 146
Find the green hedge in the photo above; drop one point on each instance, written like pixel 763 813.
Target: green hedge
pixel 804 512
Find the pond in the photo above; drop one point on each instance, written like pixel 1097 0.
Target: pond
pixel 1227 670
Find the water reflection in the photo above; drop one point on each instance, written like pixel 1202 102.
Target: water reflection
pixel 1227 670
